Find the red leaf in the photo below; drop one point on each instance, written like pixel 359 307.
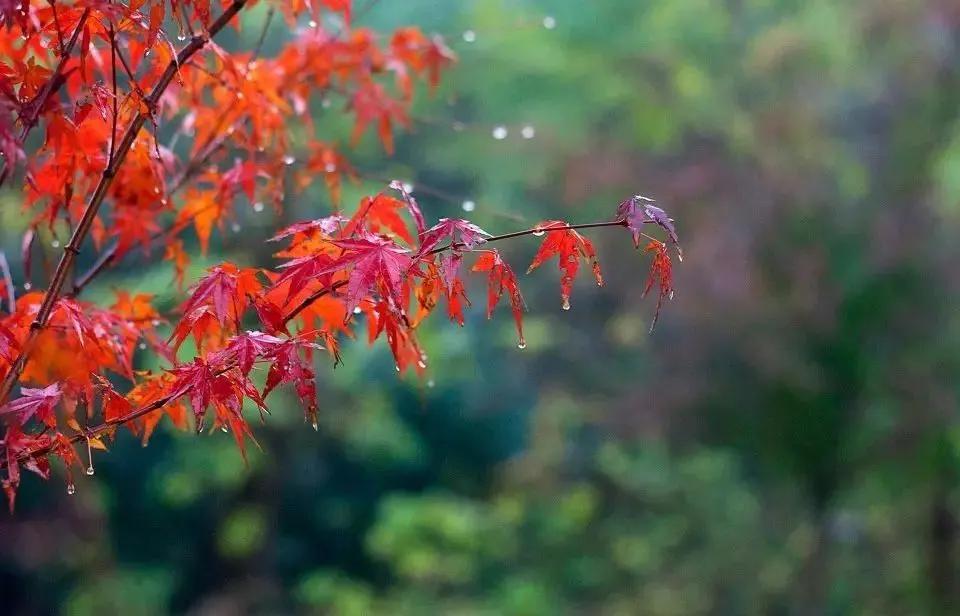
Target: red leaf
pixel 568 246
pixel 638 211
pixel 37 403
pixel 501 278
pixel 661 274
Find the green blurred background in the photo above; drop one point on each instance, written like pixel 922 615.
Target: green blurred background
pixel 785 442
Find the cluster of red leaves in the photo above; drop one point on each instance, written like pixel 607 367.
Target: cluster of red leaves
pixel 91 73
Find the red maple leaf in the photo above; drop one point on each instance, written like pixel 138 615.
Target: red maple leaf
pixel 661 274
pixel 638 211
pixel 501 278
pixel 378 264
pixel 569 247
pixel 37 403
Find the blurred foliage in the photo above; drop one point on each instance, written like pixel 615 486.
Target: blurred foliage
pixel 785 442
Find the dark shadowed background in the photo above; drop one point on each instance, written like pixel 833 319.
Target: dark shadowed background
pixel 785 442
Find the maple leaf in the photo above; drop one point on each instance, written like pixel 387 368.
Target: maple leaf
pixel 327 226
pixel 37 403
pixel 412 206
pixel 661 274
pixel 222 295
pixel 290 367
pixel 501 278
pixel 378 214
pixel 638 211
pixel 377 263
pixel 372 104
pixel 459 232
pixel 569 247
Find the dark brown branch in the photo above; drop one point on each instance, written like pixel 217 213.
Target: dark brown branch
pixel 72 247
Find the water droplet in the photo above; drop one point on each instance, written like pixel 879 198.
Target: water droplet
pixel 528 132
pixel 671 294
pixel 181 37
pixel 315 425
pixel 469 206
pixel 549 22
pixel 155 322
pixel 566 303
pixel 55 243
pixel 522 343
pixel 90 470
pixel 407 187
pixel 422 364
pixel 397 367
pixel 289 160
pixel 223 429
pixel 71 489
pixel 500 133
pixel 431 384
pixel 143 346
pixel 357 310
pixel 258 206
pixel 146 53
pixel 325 103
pixel 235 227
pixel 330 168
pixel 537 231
pixel 469 36
pixel 312 24
pixel 27 286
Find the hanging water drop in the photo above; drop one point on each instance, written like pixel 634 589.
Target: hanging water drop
pixel 407 187
pixel 71 489
pixel 55 243
pixel 258 206
pixel 397 366
pixel 142 346
pixel 312 24
pixel 469 206
pixel 528 132
pixel 315 425
pixel 500 133
pixel 27 286
pixel 538 231
pixel 289 160
pixel 235 227
pixel 549 22
pixel 181 37
pixel 422 364
pixel 469 36
pixel 566 303
pixel 223 429
pixel 357 310
pixel 90 470
pixel 155 322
